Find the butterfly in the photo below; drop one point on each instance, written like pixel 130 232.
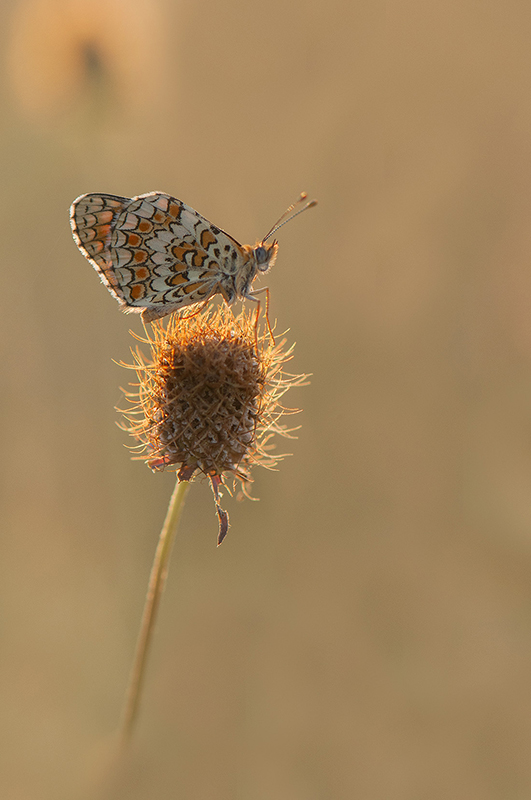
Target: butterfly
pixel 157 255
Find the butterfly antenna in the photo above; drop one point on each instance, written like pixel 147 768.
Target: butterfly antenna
pixel 285 218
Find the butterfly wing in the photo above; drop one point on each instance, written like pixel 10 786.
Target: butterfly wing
pixel 92 217
pixel 154 253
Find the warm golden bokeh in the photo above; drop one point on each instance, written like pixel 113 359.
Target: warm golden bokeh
pixel 64 53
pixel 365 630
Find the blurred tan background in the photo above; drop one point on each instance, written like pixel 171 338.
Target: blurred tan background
pixel 365 629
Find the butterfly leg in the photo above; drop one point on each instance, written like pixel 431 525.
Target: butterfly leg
pixel 198 311
pixel 252 296
pixel 151 314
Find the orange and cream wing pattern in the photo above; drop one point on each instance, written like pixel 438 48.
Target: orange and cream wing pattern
pixel 154 253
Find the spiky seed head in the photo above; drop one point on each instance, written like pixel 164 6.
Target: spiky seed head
pixel 208 398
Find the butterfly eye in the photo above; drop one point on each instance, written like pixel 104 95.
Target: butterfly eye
pixel 261 254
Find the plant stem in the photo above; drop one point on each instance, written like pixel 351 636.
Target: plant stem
pixel 157 579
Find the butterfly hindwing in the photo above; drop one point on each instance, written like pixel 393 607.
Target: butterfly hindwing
pixel 92 218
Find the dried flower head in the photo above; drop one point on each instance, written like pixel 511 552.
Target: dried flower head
pixel 208 398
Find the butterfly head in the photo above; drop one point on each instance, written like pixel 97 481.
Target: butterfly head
pixel 265 255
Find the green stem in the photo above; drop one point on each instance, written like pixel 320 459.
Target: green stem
pixel 157 579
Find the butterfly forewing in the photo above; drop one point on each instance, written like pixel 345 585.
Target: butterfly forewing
pixel 154 253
